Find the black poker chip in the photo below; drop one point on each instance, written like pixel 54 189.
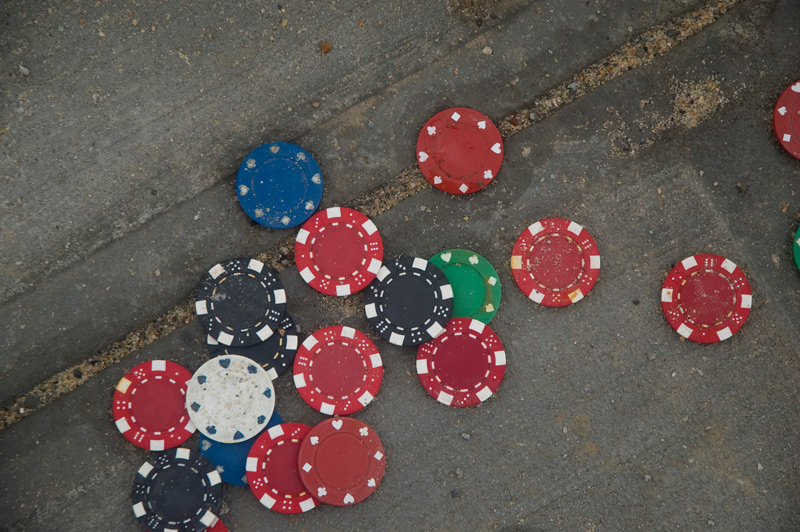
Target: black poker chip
pixel 409 302
pixel 177 490
pixel 275 354
pixel 240 302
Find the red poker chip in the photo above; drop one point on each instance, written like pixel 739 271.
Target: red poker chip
pixel 706 298
pixel 464 365
pixel 459 150
pixel 272 472
pixel 149 405
pixel 555 262
pixel 341 461
pixel 338 251
pixel 786 119
pixel 338 370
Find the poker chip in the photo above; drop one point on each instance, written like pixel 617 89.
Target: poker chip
pixel 476 285
pixel 706 298
pixel 230 398
pixel 177 490
pixel 149 405
pixel 555 262
pixel 409 302
pixel 275 354
pixel 279 185
pixel 341 461
pixel 786 119
pixel 464 365
pixel 240 302
pixel 338 251
pixel 272 469
pixel 459 151
pixel 796 248
pixel 230 459
pixel 338 370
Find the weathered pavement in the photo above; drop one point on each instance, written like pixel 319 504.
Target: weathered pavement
pixel 117 193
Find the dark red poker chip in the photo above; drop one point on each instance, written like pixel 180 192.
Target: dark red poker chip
pixel 338 251
pixel 338 370
pixel 459 150
pixel 786 119
pixel 555 262
pixel 706 298
pixel 341 461
pixel 272 472
pixel 464 365
pixel 149 405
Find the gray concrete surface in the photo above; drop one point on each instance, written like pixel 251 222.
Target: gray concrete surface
pixel 605 421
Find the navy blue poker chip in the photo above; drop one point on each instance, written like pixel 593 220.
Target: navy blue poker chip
pixel 279 185
pixel 230 459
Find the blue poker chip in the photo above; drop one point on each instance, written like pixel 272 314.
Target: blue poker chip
pixel 230 459
pixel 279 185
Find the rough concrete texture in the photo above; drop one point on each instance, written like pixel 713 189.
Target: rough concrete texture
pixel 119 144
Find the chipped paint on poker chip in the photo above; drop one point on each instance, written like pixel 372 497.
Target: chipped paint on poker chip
pixel 409 302
pixel 786 119
pixel 176 491
pixel 476 285
pixel 341 461
pixel 338 370
pixel 555 262
pixel 464 365
pixel 338 251
pixel 230 398
pixel 149 405
pixel 272 469
pixel 459 150
pixel 279 185
pixel 275 354
pixel 706 298
pixel 240 302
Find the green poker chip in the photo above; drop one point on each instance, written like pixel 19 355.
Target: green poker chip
pixel 796 248
pixel 476 285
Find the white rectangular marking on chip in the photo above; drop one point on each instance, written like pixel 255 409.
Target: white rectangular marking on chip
pixel 225 338
pixel 369 226
pixel 275 432
pixel 182 453
pixel 348 332
pixel 267 501
pixel 327 408
pixel 374 266
pixel 307 504
pixel 378 455
pixel 536 296
pixel 447 291
pixel 787 137
pixel 375 360
pixel 666 295
pixel 728 266
pixel 370 309
pixel 574 228
pixel 123 385
pixel 291 341
pixel 213 477
pixel 594 262
pixel 435 329
pixel 299 380
pixel 306 467
pixel 516 262
pixel 725 333
pixel 396 339
pixel 747 301
pixel 302 236
pixel 157 445
pixel 309 342
pixel 420 264
pixel 536 228
pixel 122 425
pixel 145 469
pixel 252 464
pixel 307 274
pixel 343 290
pixel 484 393
pixel 158 365
pixel 477 326
pixel 422 367
pixel 575 296
pixel 216 271
pixel 685 331
pixel 500 358
pixel 382 273
pixel 190 428
pixel 210 340
pixel 366 398
pixel 265 332
pixel 334 212
pixel 200 307
pixel 209 518
pixel 138 509
pixel 689 263
pixel 255 265
pixel 280 296
pixel 445 398
pixel 272 373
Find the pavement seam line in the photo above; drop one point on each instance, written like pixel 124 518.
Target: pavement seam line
pixel 637 52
